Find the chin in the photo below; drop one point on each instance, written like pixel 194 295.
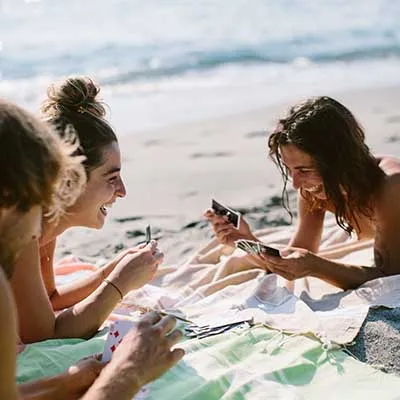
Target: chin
pixel 99 223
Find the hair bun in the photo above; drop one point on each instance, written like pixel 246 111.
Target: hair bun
pixel 76 94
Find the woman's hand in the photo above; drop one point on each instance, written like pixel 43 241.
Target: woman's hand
pixel 225 232
pixel 137 268
pixel 294 263
pixel 121 255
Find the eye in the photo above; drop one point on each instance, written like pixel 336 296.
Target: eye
pixel 113 179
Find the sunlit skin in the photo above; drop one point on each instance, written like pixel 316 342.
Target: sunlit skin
pixel 302 171
pixel 300 258
pixel 103 188
pixel 17 229
pixel 34 282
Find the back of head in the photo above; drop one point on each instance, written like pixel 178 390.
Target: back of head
pixel 327 131
pixel 73 103
pixel 36 169
pixel 30 159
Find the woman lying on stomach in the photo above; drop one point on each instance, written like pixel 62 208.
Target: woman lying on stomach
pixel 320 147
pixel 35 166
pixel 73 105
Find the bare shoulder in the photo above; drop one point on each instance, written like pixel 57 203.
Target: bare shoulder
pixel 387 235
pixel 389 164
pixel 391 192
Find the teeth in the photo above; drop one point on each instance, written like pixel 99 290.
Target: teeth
pixel 314 189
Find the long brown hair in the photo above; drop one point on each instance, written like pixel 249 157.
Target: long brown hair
pixel 330 134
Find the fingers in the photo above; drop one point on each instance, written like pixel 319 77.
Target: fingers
pixel 215 218
pixel 151 318
pixel 151 246
pixel 209 213
pixel 174 337
pixel 166 325
pixel 158 256
pixel 176 355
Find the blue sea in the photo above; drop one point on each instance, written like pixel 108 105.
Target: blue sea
pixel 167 62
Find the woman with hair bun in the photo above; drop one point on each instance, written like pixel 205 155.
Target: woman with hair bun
pixel 72 106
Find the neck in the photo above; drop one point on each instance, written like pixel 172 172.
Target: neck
pixel 53 229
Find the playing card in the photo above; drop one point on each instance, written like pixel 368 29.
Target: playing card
pixel 118 330
pixel 256 248
pixel 263 248
pixel 148 234
pixel 248 246
pixel 220 209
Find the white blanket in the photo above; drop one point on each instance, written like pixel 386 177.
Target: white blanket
pixel 309 306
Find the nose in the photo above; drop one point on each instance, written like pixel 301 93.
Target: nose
pixel 296 180
pixel 120 190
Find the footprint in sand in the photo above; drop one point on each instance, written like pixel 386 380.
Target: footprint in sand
pixel 256 134
pixel 211 155
pixel 393 138
pixel 394 119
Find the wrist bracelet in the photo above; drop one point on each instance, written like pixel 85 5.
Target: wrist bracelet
pixel 115 287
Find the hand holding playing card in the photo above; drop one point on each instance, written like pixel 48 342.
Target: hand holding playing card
pixel 145 352
pixel 122 254
pixel 294 263
pixel 136 269
pixel 225 232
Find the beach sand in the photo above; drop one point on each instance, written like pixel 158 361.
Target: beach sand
pixel 171 175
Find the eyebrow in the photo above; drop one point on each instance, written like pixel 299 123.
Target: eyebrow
pixel 112 171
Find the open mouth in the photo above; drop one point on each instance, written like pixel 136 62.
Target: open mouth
pixel 104 208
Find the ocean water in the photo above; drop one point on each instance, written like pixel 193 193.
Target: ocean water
pixel 162 63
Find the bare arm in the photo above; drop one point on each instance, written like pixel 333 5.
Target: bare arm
pixel 309 229
pixel 8 342
pixel 67 295
pixel 36 317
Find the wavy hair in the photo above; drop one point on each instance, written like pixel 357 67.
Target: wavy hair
pixel 328 132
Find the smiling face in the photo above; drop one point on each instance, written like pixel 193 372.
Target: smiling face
pixel 102 189
pixel 302 170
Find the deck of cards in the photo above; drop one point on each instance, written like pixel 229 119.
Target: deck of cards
pixel 256 248
pixel 220 209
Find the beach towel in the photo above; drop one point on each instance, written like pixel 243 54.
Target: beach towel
pixel 294 350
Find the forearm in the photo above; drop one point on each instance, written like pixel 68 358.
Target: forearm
pixel 67 295
pixel 114 384
pixel 84 319
pixel 341 250
pixel 45 389
pixel 344 276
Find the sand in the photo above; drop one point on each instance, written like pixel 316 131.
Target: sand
pixel 171 174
